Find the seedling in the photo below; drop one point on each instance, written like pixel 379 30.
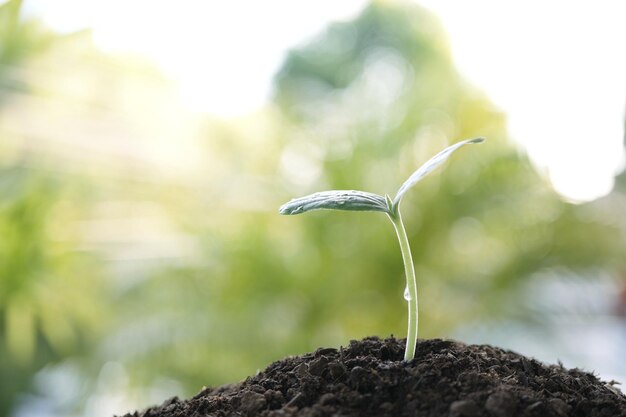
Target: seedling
pixel 364 201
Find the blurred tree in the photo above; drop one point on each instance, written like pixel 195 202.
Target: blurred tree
pixel 379 94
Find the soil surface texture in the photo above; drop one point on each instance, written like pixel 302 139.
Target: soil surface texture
pixel 369 378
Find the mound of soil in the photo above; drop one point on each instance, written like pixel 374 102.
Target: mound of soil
pixel 369 378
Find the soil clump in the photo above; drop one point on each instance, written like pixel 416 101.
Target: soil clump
pixel 369 378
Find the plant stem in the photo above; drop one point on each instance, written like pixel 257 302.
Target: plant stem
pixel 411 284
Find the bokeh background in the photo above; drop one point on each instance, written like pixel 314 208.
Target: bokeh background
pixel 141 252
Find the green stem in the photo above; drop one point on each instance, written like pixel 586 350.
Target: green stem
pixel 411 284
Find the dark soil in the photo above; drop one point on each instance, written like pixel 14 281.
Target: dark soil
pixel 369 378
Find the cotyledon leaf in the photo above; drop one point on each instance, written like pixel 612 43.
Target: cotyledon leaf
pixel 429 166
pixel 351 200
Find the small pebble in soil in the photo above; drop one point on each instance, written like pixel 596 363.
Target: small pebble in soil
pixel 251 402
pixel 464 408
pixel 501 404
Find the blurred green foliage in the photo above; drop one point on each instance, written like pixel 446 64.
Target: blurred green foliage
pixel 228 285
pixel 19 40
pixel 49 292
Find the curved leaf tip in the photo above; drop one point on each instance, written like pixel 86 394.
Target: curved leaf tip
pixel 479 139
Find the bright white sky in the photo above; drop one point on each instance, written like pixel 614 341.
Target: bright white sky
pixel 557 68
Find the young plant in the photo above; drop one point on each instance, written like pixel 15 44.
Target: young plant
pixel 363 201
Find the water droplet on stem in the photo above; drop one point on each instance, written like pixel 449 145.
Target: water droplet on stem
pixel 407 294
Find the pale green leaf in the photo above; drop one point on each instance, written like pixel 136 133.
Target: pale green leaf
pixel 429 166
pixel 336 200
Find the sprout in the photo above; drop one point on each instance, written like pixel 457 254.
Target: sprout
pixel 363 201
